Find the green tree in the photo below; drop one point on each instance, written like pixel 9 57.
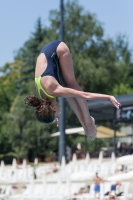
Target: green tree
pixel 101 64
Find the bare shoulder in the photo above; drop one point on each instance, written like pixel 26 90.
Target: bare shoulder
pixel 41 65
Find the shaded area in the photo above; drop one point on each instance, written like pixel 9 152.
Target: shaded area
pixel 103 111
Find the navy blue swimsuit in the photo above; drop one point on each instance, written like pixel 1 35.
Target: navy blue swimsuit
pixel 52 60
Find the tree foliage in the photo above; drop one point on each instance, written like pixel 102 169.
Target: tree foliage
pixel 101 64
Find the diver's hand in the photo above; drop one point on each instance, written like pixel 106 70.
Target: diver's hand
pixel 57 121
pixel 114 102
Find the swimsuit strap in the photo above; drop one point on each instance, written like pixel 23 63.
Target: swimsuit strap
pixel 39 87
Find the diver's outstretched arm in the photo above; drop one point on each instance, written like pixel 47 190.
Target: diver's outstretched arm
pixel 72 92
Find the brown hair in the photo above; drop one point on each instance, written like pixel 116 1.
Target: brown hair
pixel 44 111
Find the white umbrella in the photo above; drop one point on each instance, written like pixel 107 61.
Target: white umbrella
pixel 74 162
pixel 100 159
pixel 102 132
pixel 87 159
pixel 121 177
pixel 14 170
pixel 74 159
pixel 25 169
pixel 63 163
pixel 14 164
pixel 69 131
pixel 2 166
pixel 113 159
pixel 128 159
pixel 24 164
pixel 36 161
pixel 82 176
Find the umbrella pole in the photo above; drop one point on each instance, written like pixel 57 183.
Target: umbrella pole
pixel 62 139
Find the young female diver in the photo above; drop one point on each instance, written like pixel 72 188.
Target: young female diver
pixel 54 77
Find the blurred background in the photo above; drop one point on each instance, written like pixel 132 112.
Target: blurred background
pixel 99 36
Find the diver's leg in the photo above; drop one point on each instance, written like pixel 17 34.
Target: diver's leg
pixel 79 105
pixel 88 125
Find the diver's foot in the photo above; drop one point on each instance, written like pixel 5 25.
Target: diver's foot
pixel 91 129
